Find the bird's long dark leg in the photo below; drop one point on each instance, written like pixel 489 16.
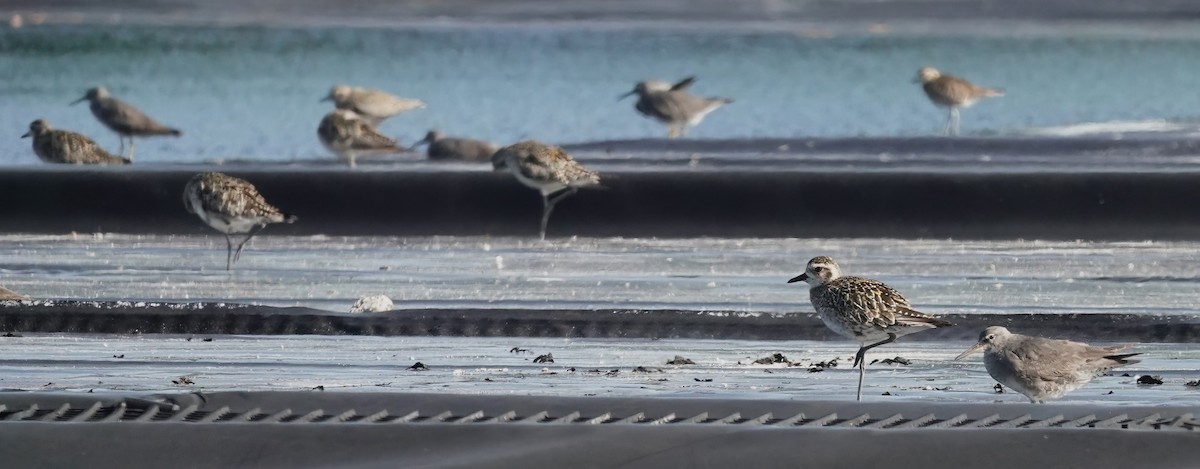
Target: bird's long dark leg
pixel 132 147
pixel 228 252
pixel 860 359
pixel 548 206
pixel 238 254
pixel 122 139
pixel 954 121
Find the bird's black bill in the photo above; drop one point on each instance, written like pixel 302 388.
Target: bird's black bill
pixel 26 135
pixel 799 278
pixel 626 95
pixel 77 101
pixel 327 98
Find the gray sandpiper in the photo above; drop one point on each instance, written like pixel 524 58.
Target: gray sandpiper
pixel 861 309
pixel 66 147
pixel 549 169
pixel 232 206
pixel 673 105
pixel 373 105
pixel 952 93
pixel 1041 368
pixel 124 119
pixel 442 147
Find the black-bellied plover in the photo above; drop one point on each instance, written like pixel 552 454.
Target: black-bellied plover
pixel 349 136
pixel 952 93
pixel 1040 368
pixel 861 309
pixel 231 206
pixel 373 105
pixel 66 147
pixel 549 169
pixel 124 119
pixel 450 148
pixel 672 105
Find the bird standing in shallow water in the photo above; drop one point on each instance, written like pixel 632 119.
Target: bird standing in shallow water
pixel 861 309
pixel 672 105
pixel 122 118
pixel 548 169
pixel 349 136
pixel 1040 368
pixel 952 93
pixel 231 206
pixel 373 105
pixel 66 147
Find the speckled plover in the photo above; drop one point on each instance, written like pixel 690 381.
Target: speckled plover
pixel 64 146
pixel 548 169
pixel 231 206
pixel 861 309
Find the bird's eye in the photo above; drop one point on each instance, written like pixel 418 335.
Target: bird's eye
pixel 990 337
pixel 818 269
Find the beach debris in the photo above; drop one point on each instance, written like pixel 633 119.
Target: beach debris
pixel 119 356
pixel 1150 380
pixel 704 380
pixel 773 359
pixel 1193 384
pixel 892 361
pixel 183 381
pixel 824 365
pixel 372 304
pixel 319 387
pixel 518 350
pixel 680 360
pixel 642 369
pixel 547 358
pixel 418 366
pixel 10 334
pixel 998 388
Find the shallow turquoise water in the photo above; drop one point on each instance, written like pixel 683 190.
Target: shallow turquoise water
pixel 252 93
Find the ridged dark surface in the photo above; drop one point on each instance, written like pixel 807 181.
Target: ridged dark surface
pixel 318 429
pixel 1100 206
pixel 99 317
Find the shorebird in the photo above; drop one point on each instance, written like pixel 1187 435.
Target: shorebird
pixel 66 147
pixel 1040 368
pixel 373 105
pixel 348 135
pixel 952 93
pixel 672 105
pixel 548 169
pixel 861 309
pixel 122 118
pixel 6 294
pixel 231 206
pixel 449 148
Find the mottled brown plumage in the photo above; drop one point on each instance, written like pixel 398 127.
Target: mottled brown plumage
pixel 66 147
pixel 124 119
pixel 952 93
pixel 673 105
pixel 861 309
pixel 547 168
pixel 349 136
pixel 450 148
pixel 1043 369
pixel 232 206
